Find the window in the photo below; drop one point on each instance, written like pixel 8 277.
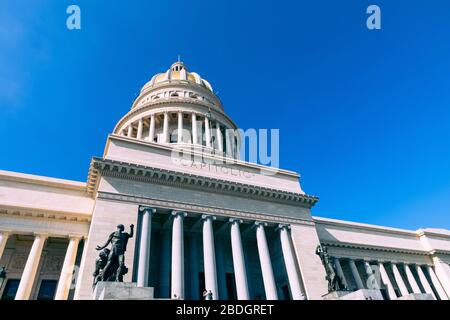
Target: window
pixel 47 290
pixel 10 289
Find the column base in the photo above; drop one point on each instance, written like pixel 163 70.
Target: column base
pixel 362 294
pixel 105 290
pixel 417 296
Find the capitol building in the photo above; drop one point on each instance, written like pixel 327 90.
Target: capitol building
pixel 203 220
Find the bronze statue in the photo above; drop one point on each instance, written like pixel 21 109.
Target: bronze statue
pixel 110 266
pixel 334 281
pixel 100 264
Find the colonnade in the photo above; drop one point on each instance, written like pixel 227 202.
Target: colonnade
pixel 416 284
pixel 209 254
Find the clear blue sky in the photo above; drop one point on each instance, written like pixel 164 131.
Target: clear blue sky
pixel 363 115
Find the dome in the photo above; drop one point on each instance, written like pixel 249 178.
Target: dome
pixel 177 72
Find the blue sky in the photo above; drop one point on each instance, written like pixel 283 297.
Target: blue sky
pixel 363 115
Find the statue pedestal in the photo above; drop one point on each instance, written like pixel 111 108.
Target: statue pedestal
pixel 417 296
pixel 121 291
pixel 362 294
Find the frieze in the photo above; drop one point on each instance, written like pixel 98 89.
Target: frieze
pixel 201 209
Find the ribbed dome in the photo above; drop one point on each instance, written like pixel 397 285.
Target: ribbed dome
pixel 177 72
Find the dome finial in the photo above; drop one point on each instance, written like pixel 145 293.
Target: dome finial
pixel 179 58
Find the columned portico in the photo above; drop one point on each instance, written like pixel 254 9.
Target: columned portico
pixel 265 262
pixel 209 256
pixel 140 128
pixel 65 279
pixel 290 263
pixel 387 282
pixel 412 281
pixel 207 133
pixel 194 129
pixel 355 273
pixel 436 284
pixel 4 235
pixel 166 128
pixel 240 273
pixel 398 278
pixel 178 255
pixel 424 281
pixel 151 132
pixel 219 137
pixel 31 267
pixel 180 138
pixel 340 272
pixel 144 246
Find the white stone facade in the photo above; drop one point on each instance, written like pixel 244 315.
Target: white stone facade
pixel 206 221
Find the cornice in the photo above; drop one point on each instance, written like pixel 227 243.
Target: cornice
pixel 42 181
pixel 374 248
pixel 130 171
pixel 202 209
pixel 361 226
pixel 44 214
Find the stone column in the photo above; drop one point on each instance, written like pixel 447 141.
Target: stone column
pixel 340 272
pixel 229 144
pixel 387 282
pixel 180 127
pixel 178 255
pixel 166 128
pixel 207 133
pixel 4 235
pixel 219 137
pixel 371 280
pixel 355 273
pixel 140 127
pixel 193 268
pixel 151 132
pixel 144 246
pixel 290 263
pixel 412 281
pixel 130 131
pixel 398 278
pixel 194 128
pixel 424 281
pixel 31 268
pixel 442 271
pixel 65 279
pixel 437 284
pixel 266 264
pixel 240 273
pixel 209 256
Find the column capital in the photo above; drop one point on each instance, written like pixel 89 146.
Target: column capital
pixel 258 224
pixel 147 209
pixel 6 232
pixel 41 235
pixel 207 216
pixel 182 214
pixel 280 227
pixel 75 237
pixel 235 220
